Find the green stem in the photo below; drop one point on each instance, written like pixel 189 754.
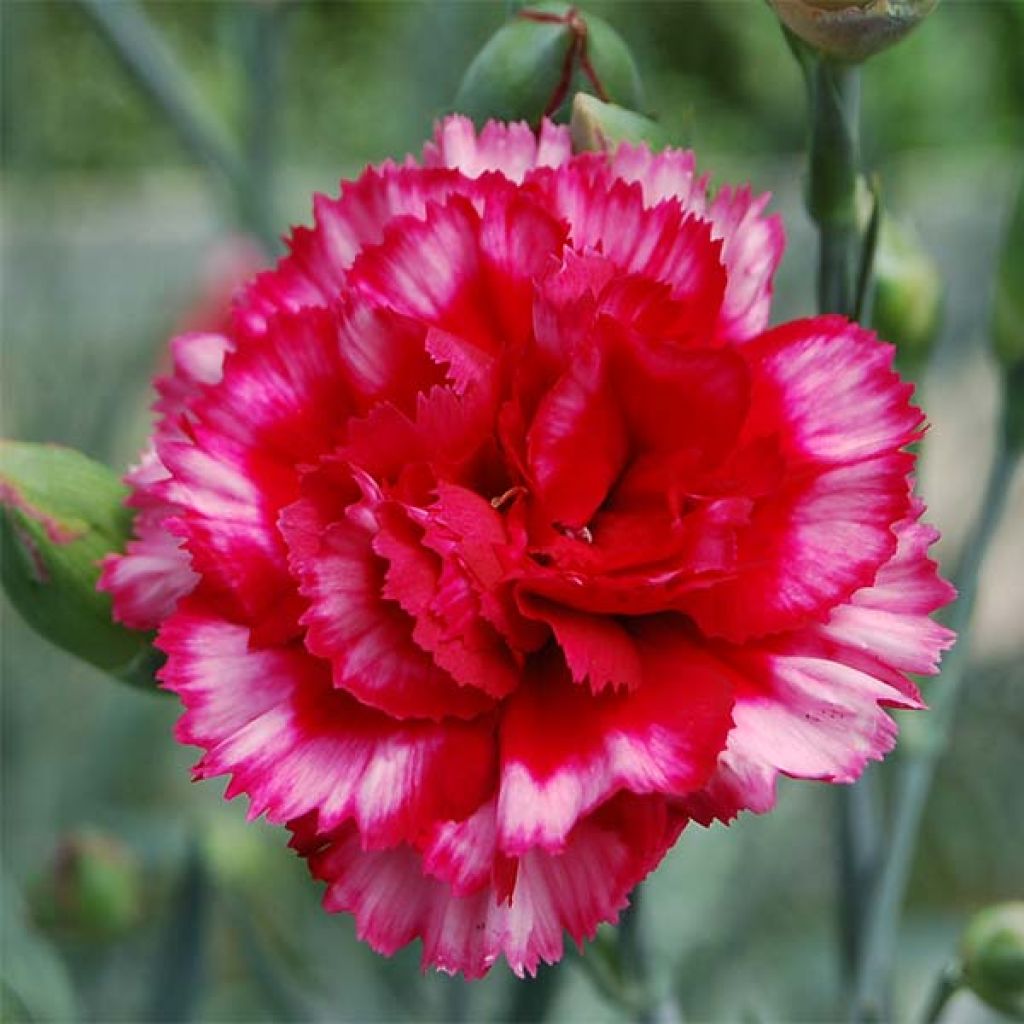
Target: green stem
pixel 923 756
pixel 264 55
pixel 532 998
pixel 143 52
pixel 832 186
pixel 949 983
pixel 834 97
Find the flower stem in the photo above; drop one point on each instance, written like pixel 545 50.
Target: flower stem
pixel 834 98
pixel 948 984
pixel 924 752
pixel 832 185
pixel 144 53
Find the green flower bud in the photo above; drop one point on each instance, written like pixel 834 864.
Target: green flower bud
pixel 907 306
pixel 1008 323
pixel 92 890
pixel 993 957
pixel 907 297
pixel 851 30
pixel 601 126
pixel 60 513
pixel 534 64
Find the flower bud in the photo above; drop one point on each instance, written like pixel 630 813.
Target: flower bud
pixel 60 513
pixel 851 30
pixel 907 299
pixel 993 957
pixel 601 126
pixel 907 307
pixel 92 889
pixel 533 65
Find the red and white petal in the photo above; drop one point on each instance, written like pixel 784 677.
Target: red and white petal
pixel 664 737
pixel 511 149
pixel 661 243
pixel 670 174
pixel 806 549
pixel 463 269
pixel 577 444
pixel 598 649
pixel 149 579
pixel 270 718
pixel 827 387
pixel 367 639
pixel 889 622
pixel 800 714
pixel 285 396
pixel 840 417
pixel 575 891
pixel 314 272
pixel 197 362
pixel 752 246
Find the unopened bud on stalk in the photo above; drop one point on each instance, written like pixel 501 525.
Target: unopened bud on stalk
pixel 993 957
pixel 92 890
pixel 60 513
pixel 602 126
pixel 907 286
pixel 851 30
pixel 533 65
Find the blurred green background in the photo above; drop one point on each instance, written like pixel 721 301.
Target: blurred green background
pixel 111 230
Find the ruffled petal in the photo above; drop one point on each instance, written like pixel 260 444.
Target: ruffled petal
pixel 314 273
pixel 664 737
pixel 752 246
pixel 663 243
pixel 394 902
pixel 295 746
pixel 824 390
pixel 148 580
pixel 510 149
pixel 462 269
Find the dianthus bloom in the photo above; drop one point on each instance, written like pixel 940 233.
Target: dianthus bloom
pixel 498 539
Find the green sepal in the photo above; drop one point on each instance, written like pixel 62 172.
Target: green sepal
pixel 60 513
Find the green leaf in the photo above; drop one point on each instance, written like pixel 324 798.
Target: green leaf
pixel 60 513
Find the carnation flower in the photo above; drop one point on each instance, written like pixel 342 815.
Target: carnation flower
pixel 499 539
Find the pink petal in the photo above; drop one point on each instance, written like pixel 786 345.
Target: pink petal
pixel 510 149
pixel 295 745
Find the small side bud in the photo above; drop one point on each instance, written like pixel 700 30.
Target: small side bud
pixel 60 513
pixel 906 286
pixel 92 890
pixel 602 126
pixel 993 957
pixel 851 30
pixel 531 67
